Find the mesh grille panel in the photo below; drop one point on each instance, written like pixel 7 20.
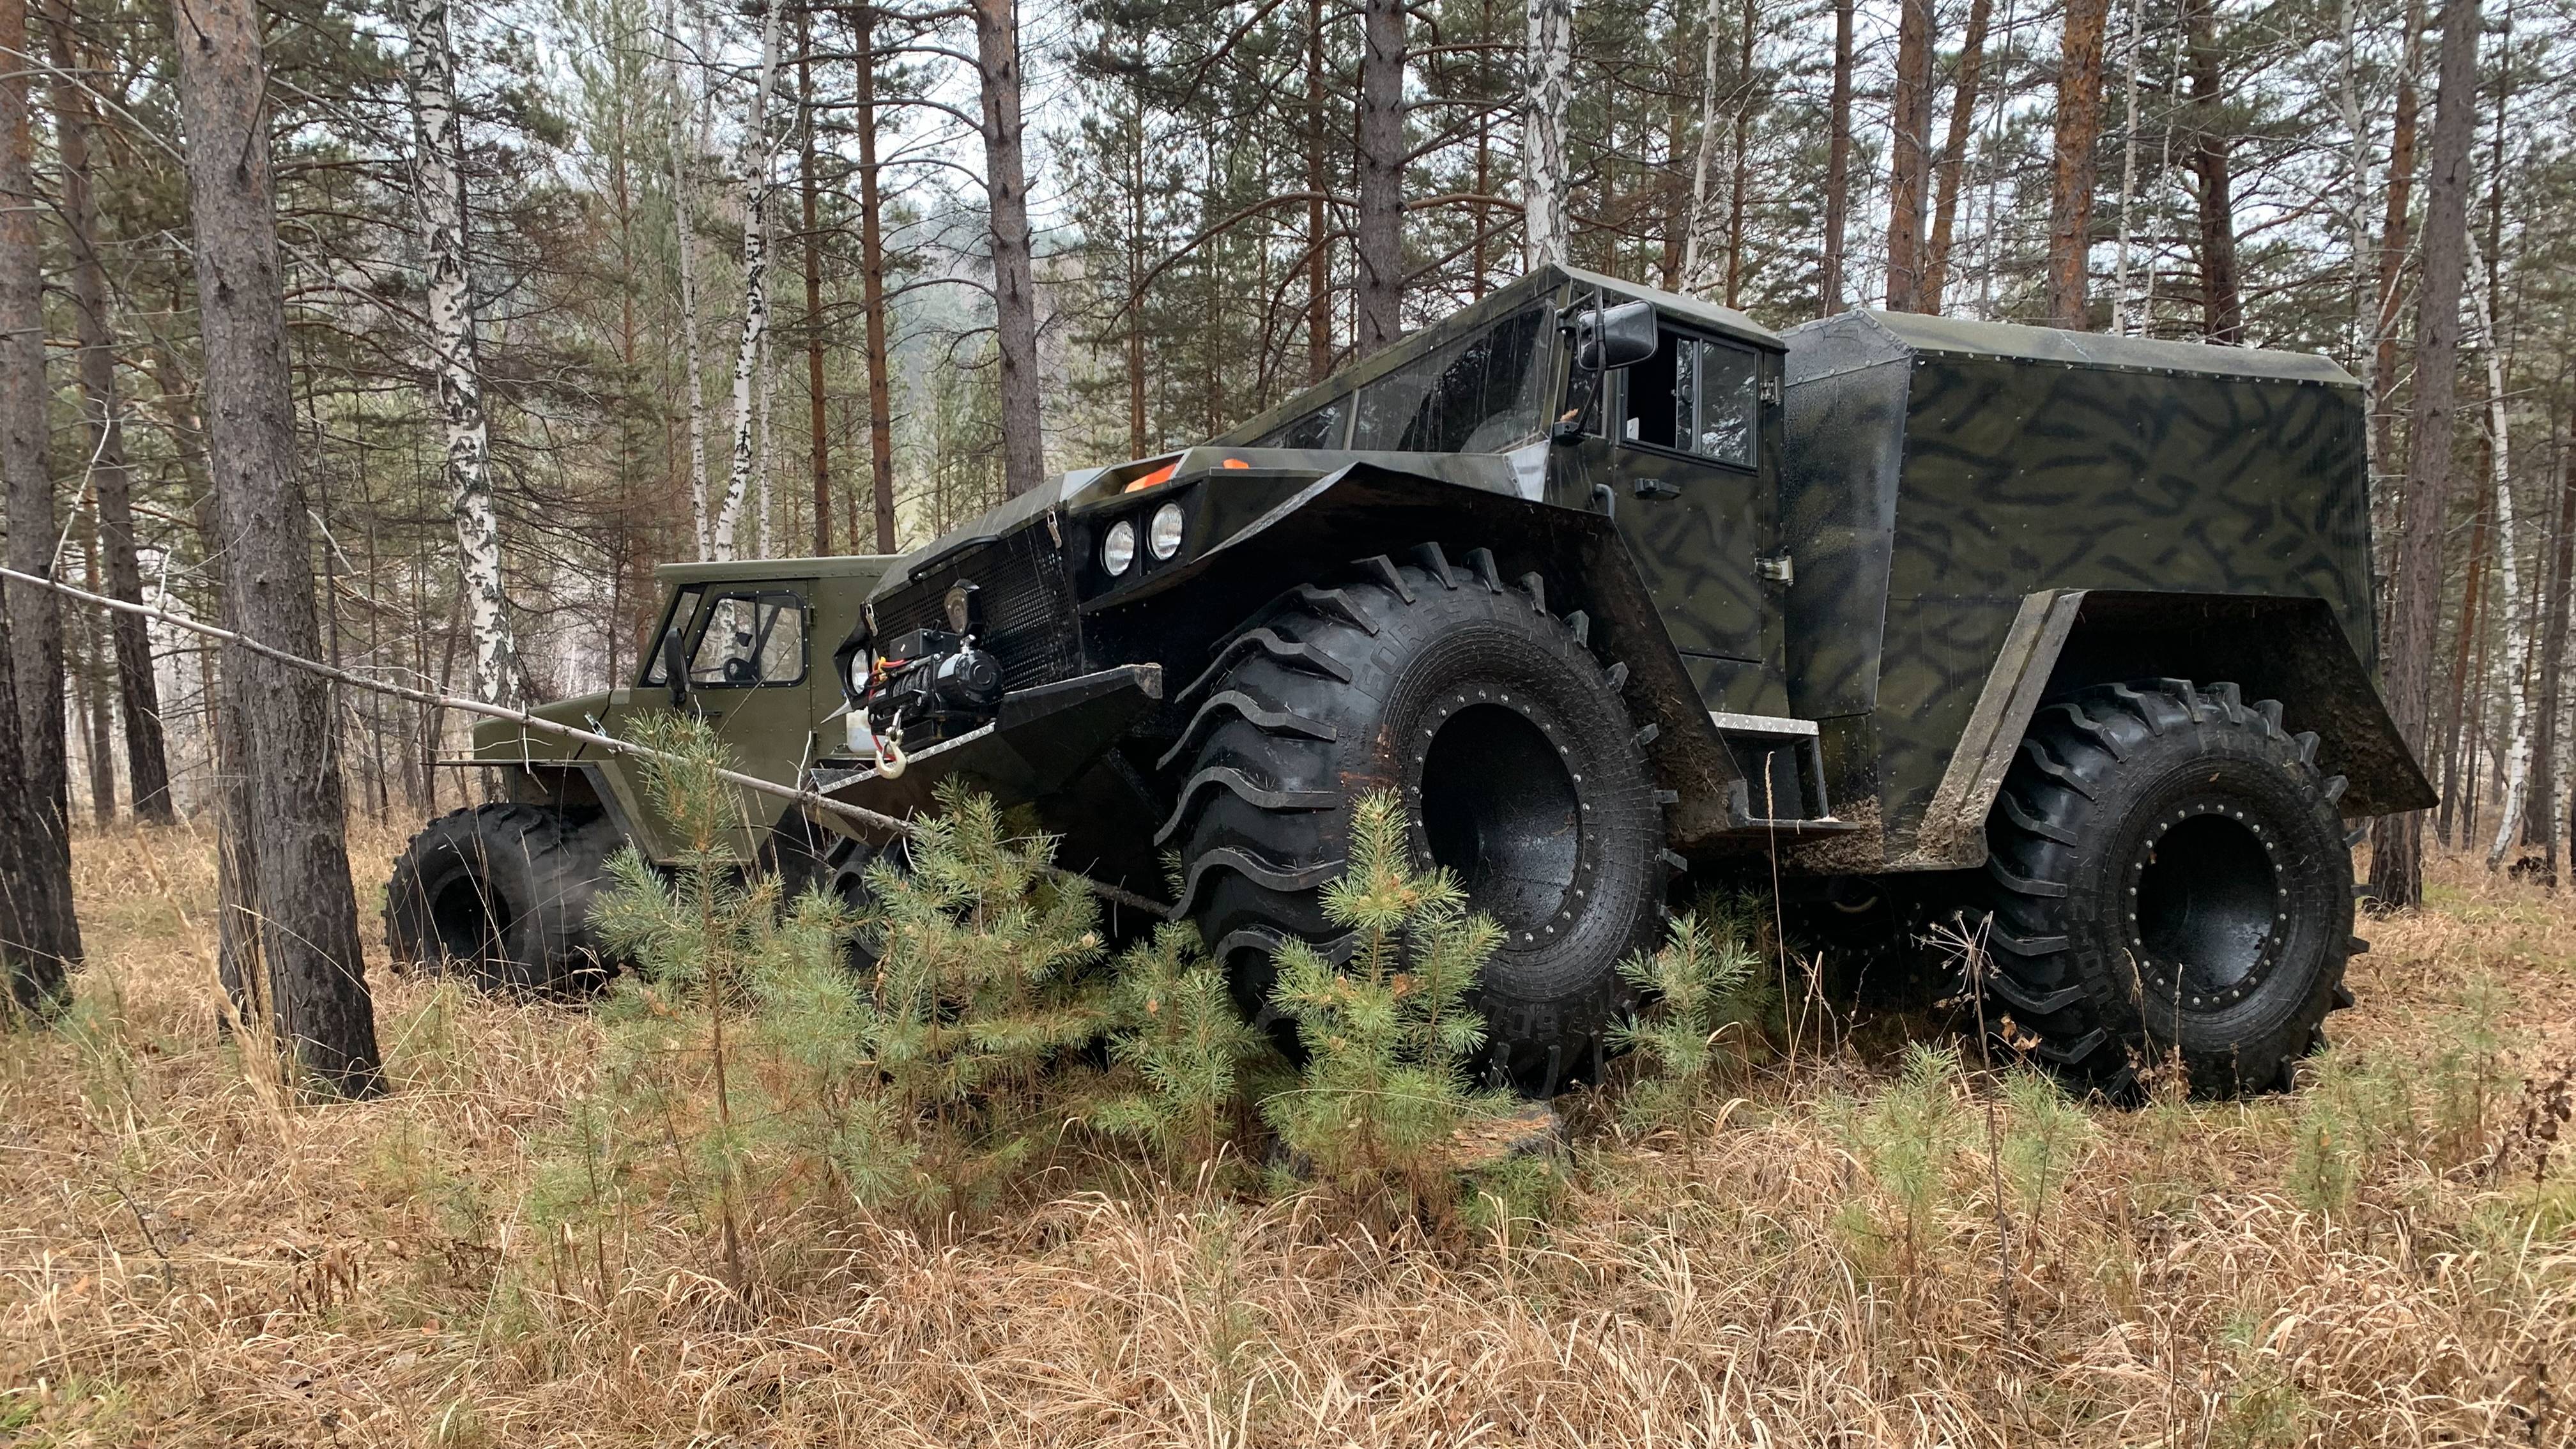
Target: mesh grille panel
pixel 1029 619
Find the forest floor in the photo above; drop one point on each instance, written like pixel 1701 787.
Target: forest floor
pixel 189 1257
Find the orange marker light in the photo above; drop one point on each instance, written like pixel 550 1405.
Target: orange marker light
pixel 1236 463
pixel 1159 475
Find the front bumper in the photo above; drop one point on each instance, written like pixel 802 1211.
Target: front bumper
pixel 1040 742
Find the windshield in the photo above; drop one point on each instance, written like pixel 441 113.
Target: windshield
pixel 675 620
pixel 1478 394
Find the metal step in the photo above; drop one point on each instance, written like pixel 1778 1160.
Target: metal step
pixel 1782 763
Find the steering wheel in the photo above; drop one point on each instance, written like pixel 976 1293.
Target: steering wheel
pixel 741 671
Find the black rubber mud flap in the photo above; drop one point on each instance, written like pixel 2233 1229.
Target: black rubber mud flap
pixel 2169 879
pixel 1508 742
pixel 501 894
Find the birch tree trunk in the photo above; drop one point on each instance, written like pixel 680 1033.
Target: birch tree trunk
pixel 2518 658
pixel 39 939
pixel 1909 148
pixel 2079 125
pixel 456 372
pixel 758 162
pixel 1547 86
pixel 139 696
pixel 1380 299
pixel 1697 226
pixel 685 239
pixel 300 893
pixel 1838 159
pixel 2547 763
pixel 1015 303
pixel 2123 320
pixel 2397 841
pixel 1954 154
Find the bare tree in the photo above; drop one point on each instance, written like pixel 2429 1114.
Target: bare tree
pixel 685 240
pixel 1838 158
pixel 1909 155
pixel 1015 303
pixel 2397 841
pixel 1954 154
pixel 2079 125
pixel 872 285
pixel 456 370
pixel 1547 84
pixel 760 160
pixel 2222 295
pixel 1380 302
pixel 818 435
pixel 139 697
pixel 306 910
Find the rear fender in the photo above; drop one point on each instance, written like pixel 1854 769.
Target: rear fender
pixel 2063 640
pixel 1368 509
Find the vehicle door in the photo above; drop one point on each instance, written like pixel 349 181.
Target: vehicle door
pixel 1681 466
pixel 751 675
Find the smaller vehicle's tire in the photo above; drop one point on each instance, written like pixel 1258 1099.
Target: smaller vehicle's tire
pixel 808 857
pixel 2170 881
pixel 500 894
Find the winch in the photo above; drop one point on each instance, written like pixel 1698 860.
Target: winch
pixel 929 685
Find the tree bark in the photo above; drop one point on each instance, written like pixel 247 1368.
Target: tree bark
pixel 2222 300
pixel 684 238
pixel 147 758
pixel 1954 154
pixel 1696 224
pixel 759 160
pixel 456 370
pixel 1380 302
pixel 2464 647
pixel 1547 86
pixel 872 287
pixel 1909 155
pixel 1838 160
pixel 2079 125
pixel 2515 761
pixel 2541 823
pixel 2397 841
pixel 2393 237
pixel 308 917
pixel 818 439
pixel 1015 305
pixel 39 938
pixel 35 617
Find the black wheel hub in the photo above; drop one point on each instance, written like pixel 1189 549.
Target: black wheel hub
pixel 1499 808
pixel 470 921
pixel 2206 905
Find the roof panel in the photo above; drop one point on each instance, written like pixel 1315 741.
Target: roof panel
pixel 1959 337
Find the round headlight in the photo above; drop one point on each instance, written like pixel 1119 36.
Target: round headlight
pixel 1163 536
pixel 1118 547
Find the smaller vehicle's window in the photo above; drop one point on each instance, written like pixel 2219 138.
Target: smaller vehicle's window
pixel 1695 396
pixel 1321 428
pixel 750 639
pixel 684 606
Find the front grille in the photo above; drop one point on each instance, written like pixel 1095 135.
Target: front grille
pixel 1029 619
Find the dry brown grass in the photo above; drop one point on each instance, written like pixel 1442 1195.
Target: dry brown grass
pixel 184 1258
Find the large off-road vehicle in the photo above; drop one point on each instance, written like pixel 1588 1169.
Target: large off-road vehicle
pixel 2073 632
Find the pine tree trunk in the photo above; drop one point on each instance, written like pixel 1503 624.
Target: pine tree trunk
pixel 2397 841
pixel 759 161
pixel 307 911
pixel 872 287
pixel 2222 302
pixel 1380 300
pixel 39 939
pixel 1015 304
pixel 1954 154
pixel 35 616
pixel 2079 125
pixel 2541 822
pixel 1319 243
pixel 147 760
pixel 2393 238
pixel 684 226
pixel 2464 648
pixel 456 371
pixel 1838 159
pixel 818 439
pixel 1910 158
pixel 2515 761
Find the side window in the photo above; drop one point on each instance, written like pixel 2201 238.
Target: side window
pixel 1478 394
pixel 1321 428
pixel 684 607
pixel 750 639
pixel 1695 396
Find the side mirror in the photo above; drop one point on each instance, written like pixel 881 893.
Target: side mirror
pixel 675 666
pixel 1606 339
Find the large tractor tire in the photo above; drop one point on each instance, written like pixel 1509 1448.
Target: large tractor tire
pixel 501 894
pixel 2170 882
pixel 1511 749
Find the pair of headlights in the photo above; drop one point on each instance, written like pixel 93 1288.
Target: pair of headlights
pixel 1162 535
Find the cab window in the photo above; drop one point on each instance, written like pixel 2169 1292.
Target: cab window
pixel 749 639
pixel 1321 428
pixel 1695 396
pixel 684 607
pixel 1479 394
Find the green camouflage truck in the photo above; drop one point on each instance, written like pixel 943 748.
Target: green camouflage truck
pixel 2070 632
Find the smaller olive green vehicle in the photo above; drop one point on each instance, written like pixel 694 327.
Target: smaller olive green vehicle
pixel 501 892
